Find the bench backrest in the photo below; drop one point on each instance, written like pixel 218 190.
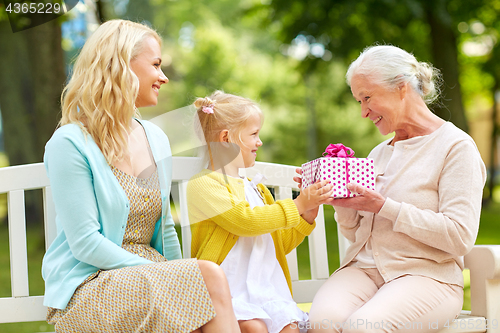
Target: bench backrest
pixel 17 179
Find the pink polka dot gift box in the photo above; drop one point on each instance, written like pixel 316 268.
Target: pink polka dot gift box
pixel 340 167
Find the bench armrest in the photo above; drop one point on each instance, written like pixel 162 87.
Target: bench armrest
pixel 484 264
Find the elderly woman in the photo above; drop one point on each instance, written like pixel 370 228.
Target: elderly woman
pixel 403 269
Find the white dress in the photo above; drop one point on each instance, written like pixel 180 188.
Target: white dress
pixel 257 283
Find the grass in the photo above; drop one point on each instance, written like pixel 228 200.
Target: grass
pixel 489 233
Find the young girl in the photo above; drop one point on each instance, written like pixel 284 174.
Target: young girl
pixel 237 224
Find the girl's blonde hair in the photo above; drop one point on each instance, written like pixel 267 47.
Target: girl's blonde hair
pixel 100 96
pixel 229 112
pixel 390 66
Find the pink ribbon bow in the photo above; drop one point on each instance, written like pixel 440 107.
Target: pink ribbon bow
pixel 338 150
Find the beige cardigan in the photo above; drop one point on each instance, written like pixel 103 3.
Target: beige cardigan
pixel 433 187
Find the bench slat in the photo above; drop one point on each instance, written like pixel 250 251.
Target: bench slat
pixel 185 167
pixel 49 217
pixel 22 309
pixel 304 290
pixel 318 253
pixel 17 243
pixel 23 177
pixel 184 220
pixel 465 323
pixel 282 193
pixel 276 174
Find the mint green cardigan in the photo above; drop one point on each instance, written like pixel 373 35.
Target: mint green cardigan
pixel 92 211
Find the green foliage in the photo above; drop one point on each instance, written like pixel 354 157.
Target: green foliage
pixel 346 27
pixel 3 12
pixel 478 52
pixel 3 197
pixel 222 45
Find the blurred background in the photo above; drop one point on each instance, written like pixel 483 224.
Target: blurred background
pixel 289 56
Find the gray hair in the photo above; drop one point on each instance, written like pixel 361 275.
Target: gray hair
pixel 391 66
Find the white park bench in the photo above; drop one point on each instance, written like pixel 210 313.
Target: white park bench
pixel 483 261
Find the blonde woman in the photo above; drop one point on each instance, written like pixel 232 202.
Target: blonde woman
pixel 112 266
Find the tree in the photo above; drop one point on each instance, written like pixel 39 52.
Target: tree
pixel 482 32
pixel 31 80
pixel 345 27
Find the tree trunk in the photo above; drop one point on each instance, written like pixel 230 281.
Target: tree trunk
pixel 493 146
pixel 46 56
pixel 444 51
pixel 16 96
pixel 31 80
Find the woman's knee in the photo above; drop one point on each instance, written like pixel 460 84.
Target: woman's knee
pixel 320 314
pixel 211 270
pixel 253 326
pixel 328 309
pixel 212 273
pixel 215 279
pixel 325 313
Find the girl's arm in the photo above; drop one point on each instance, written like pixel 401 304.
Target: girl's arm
pixel 295 236
pixel 209 199
pixel 291 238
pixel 72 184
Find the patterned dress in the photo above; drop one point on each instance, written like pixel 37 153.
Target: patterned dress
pixel 165 296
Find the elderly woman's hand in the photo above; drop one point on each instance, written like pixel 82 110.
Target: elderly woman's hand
pixel 367 200
pixel 298 180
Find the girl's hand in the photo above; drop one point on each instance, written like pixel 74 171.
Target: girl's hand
pixel 313 196
pixel 311 214
pixel 367 200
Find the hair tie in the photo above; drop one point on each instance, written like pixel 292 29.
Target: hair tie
pixel 209 109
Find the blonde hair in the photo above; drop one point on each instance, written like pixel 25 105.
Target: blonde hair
pixel 229 112
pixel 100 96
pixel 391 66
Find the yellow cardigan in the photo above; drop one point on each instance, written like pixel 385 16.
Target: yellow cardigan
pixel 219 214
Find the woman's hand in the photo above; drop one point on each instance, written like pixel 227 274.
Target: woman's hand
pixel 367 200
pixel 298 180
